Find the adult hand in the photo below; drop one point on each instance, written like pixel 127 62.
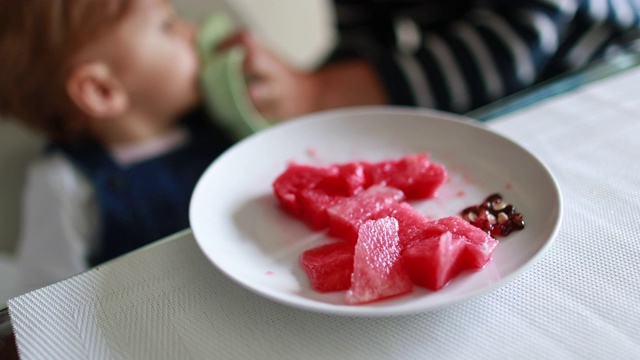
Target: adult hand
pixel 280 91
pixel 277 90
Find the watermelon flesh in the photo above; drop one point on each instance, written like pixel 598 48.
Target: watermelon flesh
pixel 415 175
pixel 307 191
pixel 293 180
pixel 389 246
pixel 329 267
pixel 313 205
pixel 479 246
pixel 412 224
pixel 434 261
pixel 353 177
pixel 444 248
pixel 378 271
pixel 434 252
pixel 345 218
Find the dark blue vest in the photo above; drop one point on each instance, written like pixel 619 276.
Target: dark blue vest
pixel 149 200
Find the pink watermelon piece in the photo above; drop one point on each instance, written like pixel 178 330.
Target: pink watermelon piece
pixel 479 246
pixel 329 267
pixel 353 177
pixel 445 247
pixel 389 245
pixel 314 202
pixel 416 175
pixel 306 191
pixel 413 226
pixel 295 178
pixel 378 271
pixel 313 205
pixel 434 261
pixel 345 218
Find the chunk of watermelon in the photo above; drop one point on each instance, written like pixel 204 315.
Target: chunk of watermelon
pixel 346 217
pixel 353 177
pixel 433 261
pixel 329 267
pixel 313 205
pixel 412 224
pixel 445 247
pixel 295 178
pixel 378 271
pixel 415 175
pixel 479 246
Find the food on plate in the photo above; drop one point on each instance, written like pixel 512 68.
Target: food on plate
pixel 436 252
pixel 345 217
pixel 432 262
pixel 378 271
pixel 307 191
pixel 296 178
pixel 382 246
pixel 494 216
pixel 416 175
pixel 444 248
pixel 329 267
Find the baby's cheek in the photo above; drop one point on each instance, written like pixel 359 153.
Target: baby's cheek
pixel 187 68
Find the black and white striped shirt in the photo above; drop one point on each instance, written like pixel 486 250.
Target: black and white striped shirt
pixel 459 55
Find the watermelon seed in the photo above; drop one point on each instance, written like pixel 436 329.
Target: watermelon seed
pixel 499 206
pixel 503 230
pixel 517 221
pixel 502 218
pixel 493 199
pixel 494 216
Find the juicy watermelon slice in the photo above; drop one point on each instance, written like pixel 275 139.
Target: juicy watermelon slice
pixel 415 175
pixel 329 267
pixel 294 179
pixel 378 271
pixel 413 226
pixel 346 217
pixel 445 247
pixel 313 205
pixel 479 245
pixel 353 177
pixel 434 261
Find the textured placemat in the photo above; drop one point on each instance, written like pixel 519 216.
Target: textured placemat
pixel 580 300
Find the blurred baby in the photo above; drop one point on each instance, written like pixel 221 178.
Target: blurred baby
pixel 113 84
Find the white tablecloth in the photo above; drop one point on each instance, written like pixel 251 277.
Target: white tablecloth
pixel 580 300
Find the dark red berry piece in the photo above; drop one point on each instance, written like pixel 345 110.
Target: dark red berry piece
pixel 494 216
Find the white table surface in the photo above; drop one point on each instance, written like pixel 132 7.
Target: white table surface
pixel 580 300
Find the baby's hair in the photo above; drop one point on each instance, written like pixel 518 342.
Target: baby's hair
pixel 38 39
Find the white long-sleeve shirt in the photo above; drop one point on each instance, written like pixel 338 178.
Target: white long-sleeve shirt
pixel 60 219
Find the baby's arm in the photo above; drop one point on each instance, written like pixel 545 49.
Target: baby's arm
pixel 59 219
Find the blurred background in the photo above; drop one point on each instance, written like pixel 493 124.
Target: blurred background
pixel 300 31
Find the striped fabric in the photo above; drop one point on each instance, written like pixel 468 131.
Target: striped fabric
pixel 459 55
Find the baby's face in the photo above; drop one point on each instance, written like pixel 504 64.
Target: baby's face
pixel 154 56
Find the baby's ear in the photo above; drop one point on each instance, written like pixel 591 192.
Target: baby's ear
pixel 97 91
